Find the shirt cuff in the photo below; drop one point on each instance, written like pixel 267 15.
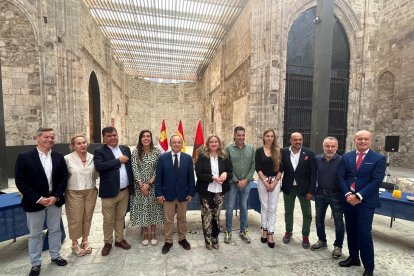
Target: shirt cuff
pixel 348 193
pixel 360 196
pixel 39 199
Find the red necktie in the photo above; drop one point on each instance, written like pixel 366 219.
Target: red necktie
pixel 358 164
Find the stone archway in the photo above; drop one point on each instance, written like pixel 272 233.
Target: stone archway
pixel 299 80
pixel 94 109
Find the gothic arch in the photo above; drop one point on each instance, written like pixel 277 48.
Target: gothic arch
pixel 94 109
pixel 29 11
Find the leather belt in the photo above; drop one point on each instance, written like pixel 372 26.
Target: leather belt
pixel 123 189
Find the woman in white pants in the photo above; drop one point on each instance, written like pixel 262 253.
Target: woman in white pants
pixel 268 167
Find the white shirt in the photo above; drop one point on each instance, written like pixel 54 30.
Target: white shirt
pixel 123 176
pixel 214 187
pixel 178 157
pixel 294 159
pixel 363 156
pixel 80 177
pixel 46 160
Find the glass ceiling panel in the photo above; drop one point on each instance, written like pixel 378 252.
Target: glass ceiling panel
pixel 165 39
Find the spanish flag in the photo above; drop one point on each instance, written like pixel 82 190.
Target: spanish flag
pixel 163 137
pixel 181 134
pixel 198 141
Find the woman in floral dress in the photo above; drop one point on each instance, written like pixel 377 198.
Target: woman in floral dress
pixel 146 211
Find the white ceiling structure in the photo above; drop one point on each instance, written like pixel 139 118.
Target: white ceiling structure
pixel 165 39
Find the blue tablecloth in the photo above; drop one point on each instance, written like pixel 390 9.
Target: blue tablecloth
pixel 12 217
pixel 13 222
pixel 396 208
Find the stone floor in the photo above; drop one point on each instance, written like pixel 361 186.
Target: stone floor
pixel 394 249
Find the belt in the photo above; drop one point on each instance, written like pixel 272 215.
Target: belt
pixel 123 189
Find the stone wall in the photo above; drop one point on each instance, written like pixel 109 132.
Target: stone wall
pixel 226 82
pixel 150 102
pixel 394 83
pixel 20 75
pixel 48 51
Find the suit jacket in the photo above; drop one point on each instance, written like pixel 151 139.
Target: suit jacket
pixel 305 173
pixel 108 167
pixel 171 184
pixel 368 178
pixel 204 176
pixel 32 182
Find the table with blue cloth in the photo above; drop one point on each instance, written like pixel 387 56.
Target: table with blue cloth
pixel 13 219
pixel 396 208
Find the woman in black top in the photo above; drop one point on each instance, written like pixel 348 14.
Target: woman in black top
pixel 213 172
pixel 268 168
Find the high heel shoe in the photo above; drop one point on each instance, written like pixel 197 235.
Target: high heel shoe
pixel 264 233
pixel 86 247
pixel 78 251
pixel 270 244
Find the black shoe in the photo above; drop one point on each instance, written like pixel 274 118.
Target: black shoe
pixel 350 262
pixel 166 247
pixel 368 273
pixel 60 261
pixel 35 271
pixel 185 244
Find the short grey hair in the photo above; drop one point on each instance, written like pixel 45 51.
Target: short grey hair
pixel 330 138
pixel 41 130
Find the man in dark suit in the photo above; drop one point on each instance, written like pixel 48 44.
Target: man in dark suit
pixel 112 161
pixel 299 177
pixel 41 176
pixel 175 186
pixel 360 176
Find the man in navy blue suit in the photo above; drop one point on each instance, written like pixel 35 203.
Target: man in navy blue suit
pixel 360 175
pixel 175 186
pixel 41 176
pixel 112 161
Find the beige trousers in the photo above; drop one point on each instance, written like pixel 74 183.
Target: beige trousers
pixel 113 211
pixel 80 205
pixel 170 209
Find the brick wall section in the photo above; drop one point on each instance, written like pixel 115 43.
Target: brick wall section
pixel 150 102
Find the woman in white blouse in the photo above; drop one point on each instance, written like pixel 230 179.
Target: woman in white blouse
pixel 80 195
pixel 213 172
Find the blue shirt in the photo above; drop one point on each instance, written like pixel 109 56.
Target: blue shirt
pixel 327 173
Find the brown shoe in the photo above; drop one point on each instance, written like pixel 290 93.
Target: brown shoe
pixel 123 244
pixel 209 246
pixel 185 244
pixel 106 249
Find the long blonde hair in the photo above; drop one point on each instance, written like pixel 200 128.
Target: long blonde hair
pixel 275 150
pixel 220 151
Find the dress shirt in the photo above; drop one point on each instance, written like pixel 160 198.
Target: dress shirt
pixel 294 159
pixel 178 157
pixel 123 176
pixel 80 177
pixel 214 187
pixel 365 154
pixel 46 160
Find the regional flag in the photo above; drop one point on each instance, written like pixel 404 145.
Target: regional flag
pixel 181 134
pixel 198 141
pixel 163 142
